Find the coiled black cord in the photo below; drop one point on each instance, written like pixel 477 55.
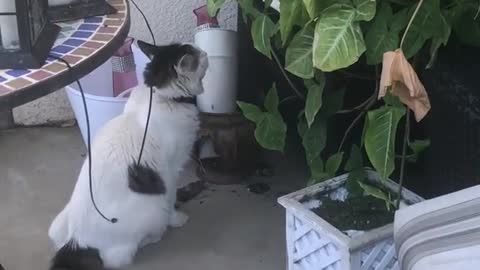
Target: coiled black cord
pixel 89 144
pixel 144 139
pixel 90 180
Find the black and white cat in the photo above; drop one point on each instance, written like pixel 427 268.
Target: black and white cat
pixel 141 197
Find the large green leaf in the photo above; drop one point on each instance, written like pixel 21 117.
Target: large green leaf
pixel 214 6
pixel 248 8
pixel 377 193
pixel 290 13
pixel 357 173
pixel 380 138
pixel 399 21
pixel 428 17
pixel 250 111
pixel 315 7
pixel 317 171
pixel 424 26
pixel 315 138
pixel 262 31
pixel 414 42
pixel 355 161
pixel 271 100
pixel 365 9
pixel 302 126
pixel 303 19
pixel 392 100
pixel 440 39
pixel 379 38
pixel 298 58
pixel 364 132
pixel 333 164
pixel 338 41
pixel 417 146
pixel 314 99
pixel 271 132
pixel 466 27
pixel 312 7
pixel 354 178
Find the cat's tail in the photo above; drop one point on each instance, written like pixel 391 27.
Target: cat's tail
pixel 73 257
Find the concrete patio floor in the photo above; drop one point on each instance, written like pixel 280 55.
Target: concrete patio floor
pixel 229 227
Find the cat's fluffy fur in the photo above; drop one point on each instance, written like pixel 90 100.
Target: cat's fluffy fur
pixel 79 233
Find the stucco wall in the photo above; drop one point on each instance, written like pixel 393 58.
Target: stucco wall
pixel 51 109
pixel 171 21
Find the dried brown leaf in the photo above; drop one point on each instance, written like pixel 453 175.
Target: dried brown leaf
pixel 399 75
pixel 386 76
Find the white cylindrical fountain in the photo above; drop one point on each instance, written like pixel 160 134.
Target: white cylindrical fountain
pixel 220 82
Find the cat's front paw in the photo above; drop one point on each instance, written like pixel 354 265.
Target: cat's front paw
pixel 178 219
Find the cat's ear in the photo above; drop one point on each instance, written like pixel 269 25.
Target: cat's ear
pixel 188 63
pixel 148 49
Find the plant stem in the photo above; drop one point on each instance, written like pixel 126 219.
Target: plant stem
pixel 404 157
pixel 364 111
pixel 355 121
pixel 410 22
pixel 356 76
pixel 280 66
pixel 287 99
pixel 358 107
pixel 352 125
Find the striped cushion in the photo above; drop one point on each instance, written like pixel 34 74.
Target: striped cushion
pixel 442 233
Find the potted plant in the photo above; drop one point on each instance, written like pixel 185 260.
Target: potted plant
pixel 318 39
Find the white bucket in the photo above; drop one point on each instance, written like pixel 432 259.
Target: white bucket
pixel 100 109
pixel 220 82
pixel 98 89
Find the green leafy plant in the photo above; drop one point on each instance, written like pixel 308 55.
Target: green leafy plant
pixel 317 37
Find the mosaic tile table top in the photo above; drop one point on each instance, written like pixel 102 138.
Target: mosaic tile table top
pixel 79 42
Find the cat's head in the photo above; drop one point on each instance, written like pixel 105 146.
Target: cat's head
pixel 175 70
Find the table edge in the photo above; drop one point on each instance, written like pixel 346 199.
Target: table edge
pixel 45 87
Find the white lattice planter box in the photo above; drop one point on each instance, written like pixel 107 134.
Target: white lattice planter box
pixel 314 244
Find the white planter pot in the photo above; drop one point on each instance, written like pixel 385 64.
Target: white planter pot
pixel 101 109
pixel 314 244
pixel 98 88
pixel 220 81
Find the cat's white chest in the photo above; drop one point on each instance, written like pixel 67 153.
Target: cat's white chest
pixel 175 139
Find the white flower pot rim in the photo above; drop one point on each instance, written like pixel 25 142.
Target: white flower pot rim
pixel 291 201
pixel 118 99
pixel 223 30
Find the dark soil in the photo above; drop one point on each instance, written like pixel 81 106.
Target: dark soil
pixel 357 213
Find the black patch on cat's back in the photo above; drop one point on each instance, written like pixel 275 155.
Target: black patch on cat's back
pixel 73 257
pixel 145 180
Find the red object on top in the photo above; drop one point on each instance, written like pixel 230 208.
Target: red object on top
pixel 204 18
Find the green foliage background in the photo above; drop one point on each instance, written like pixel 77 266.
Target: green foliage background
pixel 320 36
